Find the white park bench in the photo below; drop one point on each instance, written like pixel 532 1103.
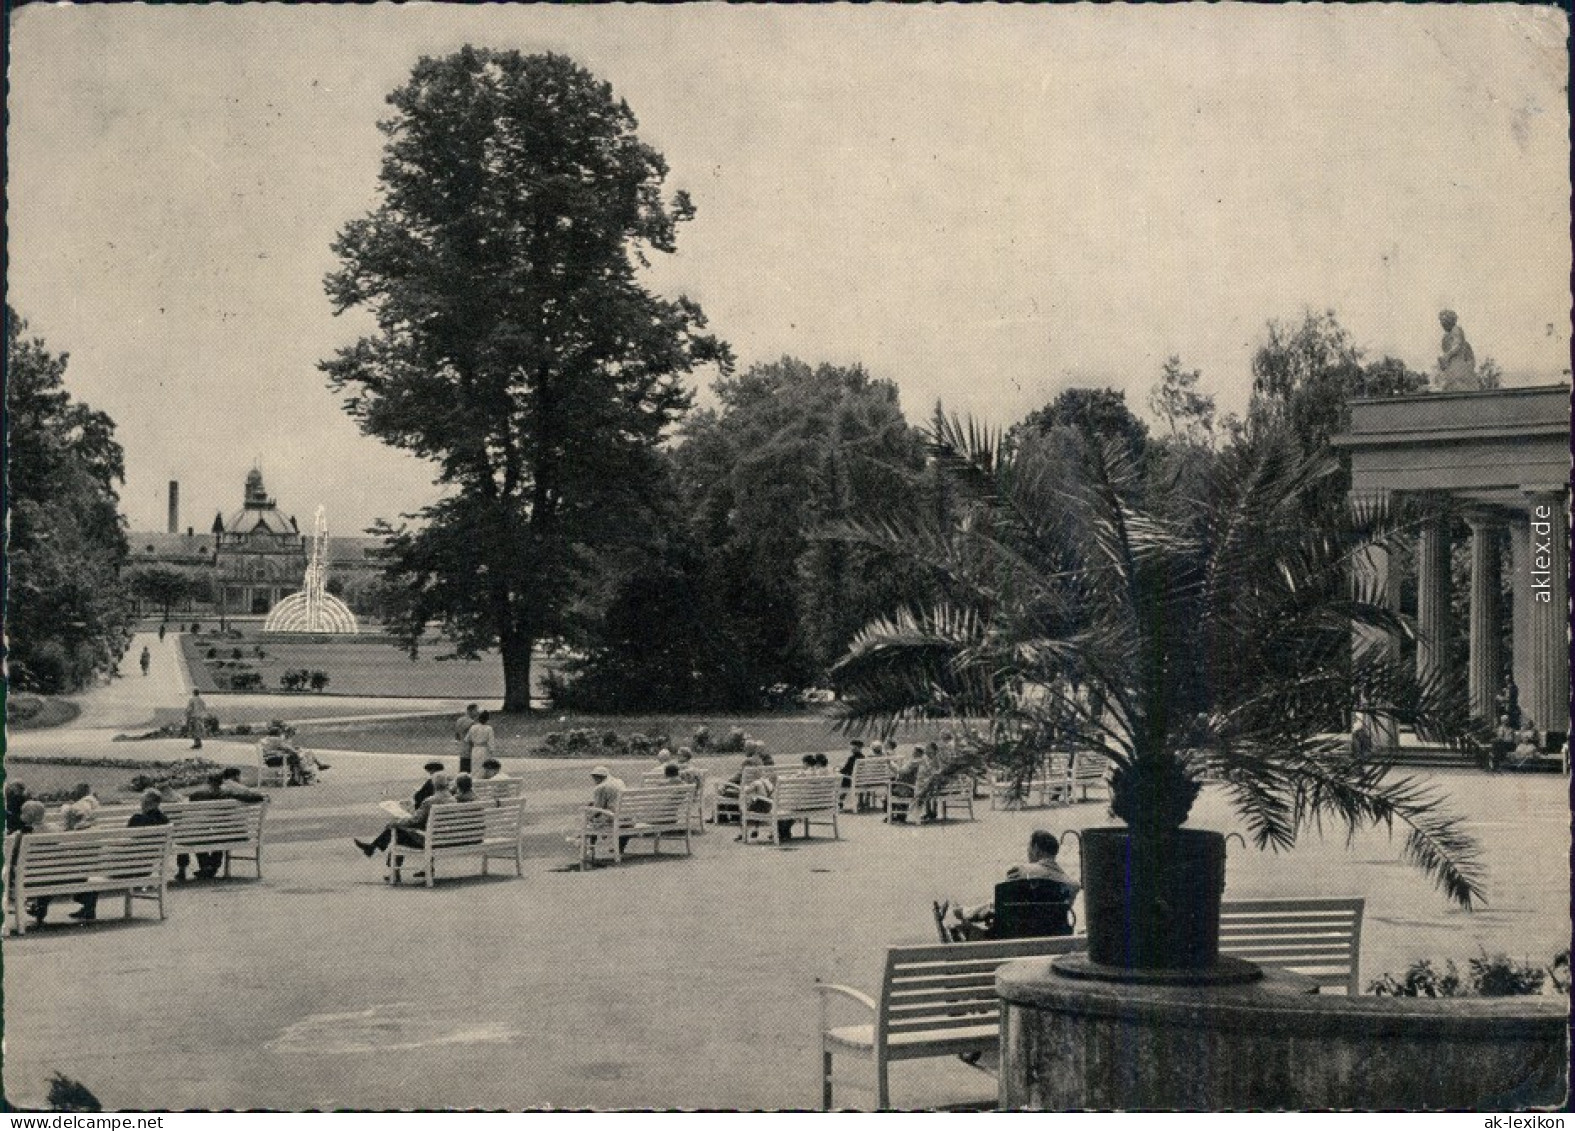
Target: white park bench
pixel 800 797
pixel 1050 780
pixel 934 1001
pixel 659 777
pixel 497 789
pixel 271 777
pixel 724 797
pixel 955 794
pixel 231 827
pixel 485 828
pixel 1090 770
pixel 1319 939
pixel 642 813
pixel 132 861
pixel 941 1001
pixel 871 782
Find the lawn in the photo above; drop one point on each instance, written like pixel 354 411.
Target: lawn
pixel 368 664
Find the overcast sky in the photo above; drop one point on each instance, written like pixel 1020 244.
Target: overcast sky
pixel 982 204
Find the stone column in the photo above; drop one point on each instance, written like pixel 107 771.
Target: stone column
pixel 1483 675
pixel 1432 597
pixel 1546 699
pixel 1520 604
pixel 1378 582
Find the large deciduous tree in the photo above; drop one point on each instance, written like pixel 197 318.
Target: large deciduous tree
pixel 67 616
pixel 515 344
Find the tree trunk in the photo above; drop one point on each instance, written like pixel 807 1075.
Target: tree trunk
pixel 516 652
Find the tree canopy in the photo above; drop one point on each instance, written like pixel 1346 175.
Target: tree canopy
pixel 67 615
pixel 1101 413
pixel 515 344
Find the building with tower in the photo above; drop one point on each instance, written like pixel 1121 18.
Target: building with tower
pixel 252 558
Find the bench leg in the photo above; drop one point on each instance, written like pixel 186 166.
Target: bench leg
pixel 825 1079
pixel 127 914
pixel 882 1084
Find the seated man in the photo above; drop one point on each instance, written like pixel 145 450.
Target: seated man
pixel 492 770
pixel 464 789
pixel 409 831
pixel 217 789
pixel 756 798
pixel 433 769
pixel 976 922
pixel 605 794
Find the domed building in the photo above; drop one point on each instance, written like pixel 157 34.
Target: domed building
pixel 252 558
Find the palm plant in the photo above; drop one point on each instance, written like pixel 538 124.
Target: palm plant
pixel 1185 634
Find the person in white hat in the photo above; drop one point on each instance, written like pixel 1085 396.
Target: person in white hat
pixel 604 802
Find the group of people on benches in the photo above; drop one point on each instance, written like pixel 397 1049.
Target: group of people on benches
pixel 438 789
pixel 26 815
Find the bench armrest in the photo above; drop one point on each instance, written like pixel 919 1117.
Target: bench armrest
pixel 864 999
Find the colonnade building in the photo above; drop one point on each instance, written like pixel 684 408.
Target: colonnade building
pixel 1500 459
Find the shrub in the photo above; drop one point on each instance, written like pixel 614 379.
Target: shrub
pixel 245 728
pixel 236 653
pixel 318 680
pixel 196 629
pixel 246 681
pixel 294 680
pixel 213 653
pixel 701 739
pixel 175 775
pixel 1495 975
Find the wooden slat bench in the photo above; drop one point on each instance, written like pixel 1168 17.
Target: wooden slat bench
pixel 231 827
pixel 132 861
pixel 642 812
pixel 1050 781
pixel 497 789
pixel 1090 770
pixel 1320 939
pixel 271 777
pixel 724 798
pixel 871 782
pixel 800 797
pixel 934 1001
pixel 471 828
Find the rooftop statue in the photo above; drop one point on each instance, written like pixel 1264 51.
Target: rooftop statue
pixel 1457 365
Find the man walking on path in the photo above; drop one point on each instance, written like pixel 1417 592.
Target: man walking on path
pixel 196 719
pixel 146 661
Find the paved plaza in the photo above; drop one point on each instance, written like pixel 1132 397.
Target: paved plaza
pixel 320 987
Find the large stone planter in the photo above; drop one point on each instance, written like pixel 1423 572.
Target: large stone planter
pixel 1069 1044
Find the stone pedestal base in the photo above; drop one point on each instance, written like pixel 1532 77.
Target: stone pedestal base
pixel 1074 1044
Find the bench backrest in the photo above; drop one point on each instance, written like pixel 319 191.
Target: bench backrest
pixel 471 822
pixel 1320 939
pixel 1089 766
pixel 656 805
pixel 192 821
pixel 47 858
pixel 807 791
pixel 868 772
pixel 930 988
pixel 497 789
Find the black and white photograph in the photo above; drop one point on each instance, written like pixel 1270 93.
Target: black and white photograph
pixel 750 558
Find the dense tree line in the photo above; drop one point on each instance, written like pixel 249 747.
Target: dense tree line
pixel 67 614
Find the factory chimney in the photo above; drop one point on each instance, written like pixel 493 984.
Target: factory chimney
pixel 174 506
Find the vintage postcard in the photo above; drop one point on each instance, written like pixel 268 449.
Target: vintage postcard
pixel 775 557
